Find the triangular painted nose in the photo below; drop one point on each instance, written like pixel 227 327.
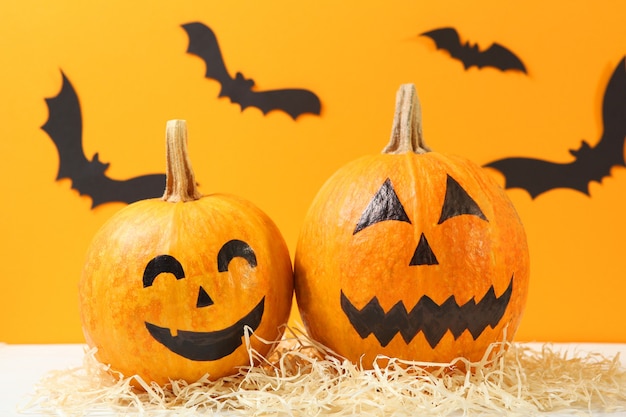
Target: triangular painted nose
pixel 423 255
pixel 204 300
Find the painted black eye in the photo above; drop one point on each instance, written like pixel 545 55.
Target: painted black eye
pixel 235 249
pixel 457 202
pixel 385 205
pixel 159 265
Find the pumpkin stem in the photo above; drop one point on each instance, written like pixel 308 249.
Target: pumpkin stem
pixel 180 181
pixel 406 131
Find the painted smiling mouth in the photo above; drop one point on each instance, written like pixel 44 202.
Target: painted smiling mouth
pixel 432 319
pixel 208 346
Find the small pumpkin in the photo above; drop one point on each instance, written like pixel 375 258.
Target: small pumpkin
pixel 411 254
pixel 170 285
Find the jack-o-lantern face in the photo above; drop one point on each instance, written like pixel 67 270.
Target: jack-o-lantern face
pixel 176 302
pixel 473 316
pixel 171 286
pixel 411 254
pixel 196 345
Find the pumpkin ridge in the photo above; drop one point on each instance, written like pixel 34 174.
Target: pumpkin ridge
pixel 416 179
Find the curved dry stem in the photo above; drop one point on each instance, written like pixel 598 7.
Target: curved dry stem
pixel 406 131
pixel 180 180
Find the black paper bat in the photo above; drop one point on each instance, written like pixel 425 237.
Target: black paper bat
pixel 64 126
pixel 203 43
pixel 590 163
pixel 496 56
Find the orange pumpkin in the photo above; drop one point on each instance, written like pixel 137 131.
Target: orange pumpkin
pixel 411 254
pixel 170 285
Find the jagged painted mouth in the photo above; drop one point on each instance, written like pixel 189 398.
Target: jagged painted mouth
pixel 208 346
pixel 428 317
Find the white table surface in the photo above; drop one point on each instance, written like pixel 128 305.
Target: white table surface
pixel 22 366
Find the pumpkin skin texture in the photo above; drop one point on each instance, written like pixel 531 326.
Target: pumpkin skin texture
pixel 411 254
pixel 167 287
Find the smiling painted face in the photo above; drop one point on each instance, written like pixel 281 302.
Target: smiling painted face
pixel 177 302
pixel 197 345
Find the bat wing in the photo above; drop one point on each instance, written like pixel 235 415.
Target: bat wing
pixel 448 39
pixel 103 189
pixel 614 115
pixel 595 163
pixel 292 101
pixel 64 127
pixel 590 164
pixel 499 57
pixel 203 43
pixel 538 176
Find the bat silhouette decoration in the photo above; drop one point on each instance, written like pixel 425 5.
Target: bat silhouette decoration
pixel 64 126
pixel 591 163
pixel 203 43
pixel 496 56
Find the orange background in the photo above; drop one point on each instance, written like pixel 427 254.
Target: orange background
pixel 129 66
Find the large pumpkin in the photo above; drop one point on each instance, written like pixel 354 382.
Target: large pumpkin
pixel 411 254
pixel 171 285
